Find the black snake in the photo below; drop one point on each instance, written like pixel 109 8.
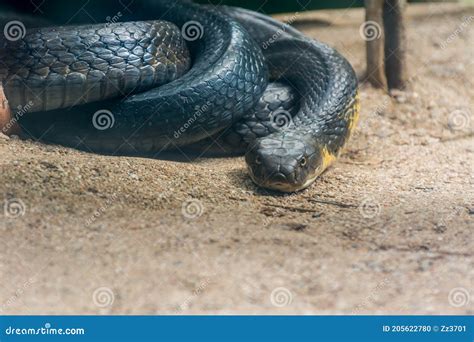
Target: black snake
pixel 197 72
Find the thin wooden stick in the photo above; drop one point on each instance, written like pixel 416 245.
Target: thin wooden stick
pixel 373 33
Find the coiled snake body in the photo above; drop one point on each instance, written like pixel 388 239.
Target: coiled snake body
pixel 131 88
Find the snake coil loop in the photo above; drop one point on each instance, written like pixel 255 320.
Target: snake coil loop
pixel 141 87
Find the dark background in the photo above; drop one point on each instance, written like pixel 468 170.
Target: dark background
pixel 267 6
pixel 274 6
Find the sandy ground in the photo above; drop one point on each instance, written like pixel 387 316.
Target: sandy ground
pixel 388 229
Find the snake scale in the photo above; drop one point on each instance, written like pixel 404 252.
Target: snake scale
pixel 260 86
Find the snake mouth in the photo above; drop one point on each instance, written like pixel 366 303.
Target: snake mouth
pixel 277 183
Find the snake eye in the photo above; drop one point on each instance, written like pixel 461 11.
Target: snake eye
pixel 303 161
pixel 258 160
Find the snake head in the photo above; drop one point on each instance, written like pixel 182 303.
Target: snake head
pixel 284 161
